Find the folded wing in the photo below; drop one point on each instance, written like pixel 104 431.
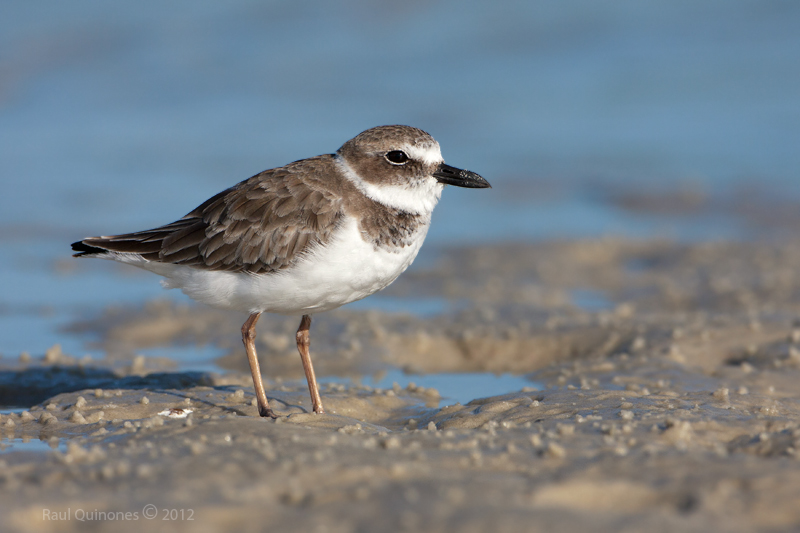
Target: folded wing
pixel 263 224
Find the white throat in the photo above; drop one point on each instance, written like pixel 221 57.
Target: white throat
pixel 418 199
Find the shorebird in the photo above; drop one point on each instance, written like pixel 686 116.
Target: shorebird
pixel 304 238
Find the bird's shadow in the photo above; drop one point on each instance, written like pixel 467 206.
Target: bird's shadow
pixel 33 385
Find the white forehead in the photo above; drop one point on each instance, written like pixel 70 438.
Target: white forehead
pixel 428 153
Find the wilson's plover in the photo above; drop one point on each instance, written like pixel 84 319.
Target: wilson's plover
pixel 303 238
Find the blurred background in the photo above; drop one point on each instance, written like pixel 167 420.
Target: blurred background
pixel 675 120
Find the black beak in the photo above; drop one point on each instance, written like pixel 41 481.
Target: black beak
pixel 460 178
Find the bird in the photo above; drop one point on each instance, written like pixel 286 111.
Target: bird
pixel 300 239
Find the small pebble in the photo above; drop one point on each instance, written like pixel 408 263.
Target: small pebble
pixel 390 443
pixel 566 429
pixel 556 451
pixel 722 394
pixel 53 354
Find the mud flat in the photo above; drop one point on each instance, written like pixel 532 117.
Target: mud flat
pixel 666 399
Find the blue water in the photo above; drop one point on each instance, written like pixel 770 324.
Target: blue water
pixel 29 445
pixel 453 387
pixel 118 116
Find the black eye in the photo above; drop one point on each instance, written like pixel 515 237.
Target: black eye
pixel 396 157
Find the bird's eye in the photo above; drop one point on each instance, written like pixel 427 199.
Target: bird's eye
pixel 397 157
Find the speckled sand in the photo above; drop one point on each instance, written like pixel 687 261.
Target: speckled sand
pixel 669 402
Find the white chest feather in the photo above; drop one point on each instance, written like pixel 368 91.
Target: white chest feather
pixel 347 269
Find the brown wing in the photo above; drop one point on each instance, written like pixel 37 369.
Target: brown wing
pixel 263 224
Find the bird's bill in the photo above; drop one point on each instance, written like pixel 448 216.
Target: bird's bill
pixel 460 178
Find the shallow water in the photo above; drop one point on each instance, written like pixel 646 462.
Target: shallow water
pixel 13 445
pixel 456 388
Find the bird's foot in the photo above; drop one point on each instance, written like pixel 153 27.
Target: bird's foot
pixel 267 412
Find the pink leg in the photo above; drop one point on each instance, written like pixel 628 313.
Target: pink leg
pixel 248 338
pixel 303 343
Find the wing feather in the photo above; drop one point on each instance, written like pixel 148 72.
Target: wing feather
pixel 263 224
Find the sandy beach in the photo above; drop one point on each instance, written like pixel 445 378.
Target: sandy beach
pixel 669 401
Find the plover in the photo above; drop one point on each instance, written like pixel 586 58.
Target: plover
pixel 300 239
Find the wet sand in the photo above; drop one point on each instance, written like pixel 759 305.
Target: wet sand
pixel 667 400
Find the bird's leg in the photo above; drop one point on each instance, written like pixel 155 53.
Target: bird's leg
pixel 303 342
pixel 248 338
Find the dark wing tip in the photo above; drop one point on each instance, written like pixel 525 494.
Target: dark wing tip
pixel 84 249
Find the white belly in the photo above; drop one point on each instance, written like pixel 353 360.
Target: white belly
pixel 345 270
